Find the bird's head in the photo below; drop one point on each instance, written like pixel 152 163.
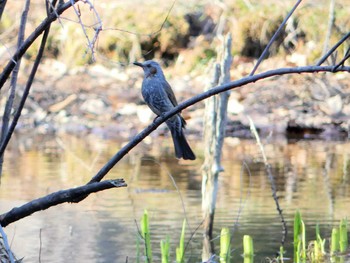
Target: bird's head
pixel 150 68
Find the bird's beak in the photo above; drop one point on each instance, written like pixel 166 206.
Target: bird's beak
pixel 138 64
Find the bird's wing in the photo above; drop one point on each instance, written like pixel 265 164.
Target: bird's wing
pixel 170 93
pixel 173 100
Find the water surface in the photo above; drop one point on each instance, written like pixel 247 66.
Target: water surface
pixel 312 176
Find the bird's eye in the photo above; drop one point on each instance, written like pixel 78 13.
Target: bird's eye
pixel 153 70
pixel 148 66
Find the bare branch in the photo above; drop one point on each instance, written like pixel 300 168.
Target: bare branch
pixel 56 198
pixel 50 8
pixel 263 55
pixel 346 57
pixel 98 29
pixel 28 42
pixel 331 20
pixel 9 103
pixel 330 52
pixel 30 80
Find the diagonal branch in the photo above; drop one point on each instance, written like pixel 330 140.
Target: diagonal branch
pixel 346 57
pixel 331 51
pixel 56 198
pixel 7 137
pixel 13 86
pixel 231 85
pixel 98 28
pixel 263 55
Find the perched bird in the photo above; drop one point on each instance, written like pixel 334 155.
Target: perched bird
pixel 159 96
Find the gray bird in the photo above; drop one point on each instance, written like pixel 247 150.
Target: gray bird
pixel 159 96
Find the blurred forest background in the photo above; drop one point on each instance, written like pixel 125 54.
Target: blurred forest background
pixel 132 30
pixel 87 90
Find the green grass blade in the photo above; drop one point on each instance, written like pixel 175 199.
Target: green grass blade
pixel 343 236
pixel 248 247
pixel 225 247
pixel 281 255
pixel 146 234
pixel 303 240
pixel 335 241
pixel 164 246
pixel 299 238
pixel 180 251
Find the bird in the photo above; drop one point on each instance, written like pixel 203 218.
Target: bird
pixel 160 98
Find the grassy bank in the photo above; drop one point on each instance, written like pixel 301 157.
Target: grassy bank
pixel 135 30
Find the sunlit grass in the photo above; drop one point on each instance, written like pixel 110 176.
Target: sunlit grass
pixel 225 245
pixel 316 250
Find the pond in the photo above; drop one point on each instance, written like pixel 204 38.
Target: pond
pixel 310 175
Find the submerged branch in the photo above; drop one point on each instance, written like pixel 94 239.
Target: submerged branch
pixel 271 179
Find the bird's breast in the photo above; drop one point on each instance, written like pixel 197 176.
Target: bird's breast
pixel 155 96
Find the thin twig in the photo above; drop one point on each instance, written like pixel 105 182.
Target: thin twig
pixel 346 57
pixel 330 52
pixel 91 43
pixel 146 34
pixel 98 27
pixel 271 179
pixel 29 41
pixel 331 20
pixel 8 51
pixel 40 244
pixel 263 55
pixel 9 103
pixel 77 158
pixel 50 7
pixel 30 80
pixel 241 200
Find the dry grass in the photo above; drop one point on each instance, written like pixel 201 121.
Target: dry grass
pixel 128 28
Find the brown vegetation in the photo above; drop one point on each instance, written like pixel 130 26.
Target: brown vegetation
pixel 84 98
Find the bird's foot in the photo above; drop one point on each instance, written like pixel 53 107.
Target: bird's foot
pixel 156 118
pixel 159 116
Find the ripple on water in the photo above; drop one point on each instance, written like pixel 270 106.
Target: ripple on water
pixel 310 176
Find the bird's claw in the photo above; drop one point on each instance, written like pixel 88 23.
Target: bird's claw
pixel 158 116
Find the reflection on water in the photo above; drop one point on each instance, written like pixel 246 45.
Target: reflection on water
pixel 312 176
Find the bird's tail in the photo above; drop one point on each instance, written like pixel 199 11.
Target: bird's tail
pixel 182 148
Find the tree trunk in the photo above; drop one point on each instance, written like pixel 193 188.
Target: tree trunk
pixel 214 132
